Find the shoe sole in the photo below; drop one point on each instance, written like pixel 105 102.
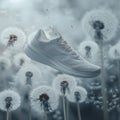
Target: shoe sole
pixel 33 54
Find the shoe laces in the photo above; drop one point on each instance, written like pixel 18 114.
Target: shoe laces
pixel 68 48
pixel 52 32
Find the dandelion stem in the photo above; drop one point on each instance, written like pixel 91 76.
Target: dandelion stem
pixel 30 115
pixel 118 75
pixel 67 103
pixel 44 116
pixel 4 80
pixel 7 116
pixel 78 111
pixel 64 108
pixel 103 79
pixel 20 114
pixel 118 72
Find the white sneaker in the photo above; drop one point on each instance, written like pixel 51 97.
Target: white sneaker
pixel 48 47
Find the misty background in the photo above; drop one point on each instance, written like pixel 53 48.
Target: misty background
pixel 65 16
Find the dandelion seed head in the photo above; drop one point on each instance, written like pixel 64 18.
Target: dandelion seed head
pixel 44 99
pixel 114 52
pixel 9 100
pixel 13 38
pixel 64 84
pixel 89 50
pixel 20 59
pixel 100 24
pixel 79 94
pixel 5 63
pixel 29 74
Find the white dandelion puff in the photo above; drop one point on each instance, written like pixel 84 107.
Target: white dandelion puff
pixel 9 100
pixel 44 99
pixel 5 63
pixel 114 53
pixel 100 24
pixel 7 53
pixel 30 75
pixel 20 59
pixel 88 48
pixel 118 44
pixel 64 84
pixel 79 94
pixel 14 38
pixel 90 51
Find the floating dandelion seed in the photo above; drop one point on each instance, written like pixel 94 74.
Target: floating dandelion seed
pixel 20 59
pixel 9 101
pixel 13 37
pixel 64 84
pixel 5 63
pixel 90 50
pixel 100 24
pixel 30 75
pixel 44 99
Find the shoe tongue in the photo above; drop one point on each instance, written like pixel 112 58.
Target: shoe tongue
pixel 52 33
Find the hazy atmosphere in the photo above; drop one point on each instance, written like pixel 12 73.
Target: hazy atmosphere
pixel 70 87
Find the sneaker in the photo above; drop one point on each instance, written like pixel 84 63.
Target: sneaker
pixel 49 48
